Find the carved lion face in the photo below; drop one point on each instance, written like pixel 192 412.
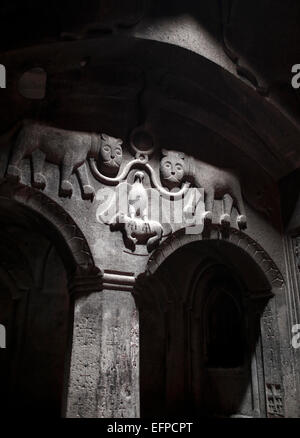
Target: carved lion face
pixel 111 153
pixel 172 168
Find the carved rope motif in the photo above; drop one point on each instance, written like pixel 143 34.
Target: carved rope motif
pixel 140 163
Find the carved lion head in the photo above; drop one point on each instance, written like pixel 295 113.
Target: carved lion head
pixel 172 168
pixel 110 154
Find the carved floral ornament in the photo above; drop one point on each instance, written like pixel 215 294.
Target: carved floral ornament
pixel 144 202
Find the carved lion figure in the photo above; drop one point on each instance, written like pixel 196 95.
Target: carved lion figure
pixel 67 149
pixel 217 183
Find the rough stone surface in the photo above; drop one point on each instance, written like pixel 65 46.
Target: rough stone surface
pixel 105 354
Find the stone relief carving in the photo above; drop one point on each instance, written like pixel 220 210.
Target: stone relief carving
pixel 274 400
pixel 178 172
pixel 172 167
pixel 138 199
pixel 134 223
pixel 296 244
pixel 111 154
pixel 67 149
pixel 217 184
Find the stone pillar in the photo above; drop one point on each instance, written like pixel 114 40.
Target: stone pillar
pixel 290 318
pixel 102 378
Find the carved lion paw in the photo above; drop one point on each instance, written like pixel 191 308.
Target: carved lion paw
pixel 39 181
pixel 13 172
pixel 225 219
pixel 207 216
pixel 66 188
pixel 88 192
pixel 242 221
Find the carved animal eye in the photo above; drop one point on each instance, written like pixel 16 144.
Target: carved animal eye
pixel 106 148
pixel 178 167
pixel 167 164
pixel 118 151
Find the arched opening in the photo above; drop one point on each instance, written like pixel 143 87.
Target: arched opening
pixel 34 309
pixel 200 349
pixel 223 319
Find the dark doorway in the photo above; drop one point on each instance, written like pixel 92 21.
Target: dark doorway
pixel 34 308
pixel 199 331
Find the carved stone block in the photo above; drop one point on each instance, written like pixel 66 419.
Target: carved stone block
pixel 274 400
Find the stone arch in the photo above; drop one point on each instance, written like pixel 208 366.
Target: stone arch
pixel 272 277
pixel 35 308
pixel 171 298
pixel 84 276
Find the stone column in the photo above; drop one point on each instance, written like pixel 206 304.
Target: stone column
pixel 102 377
pixel 289 320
